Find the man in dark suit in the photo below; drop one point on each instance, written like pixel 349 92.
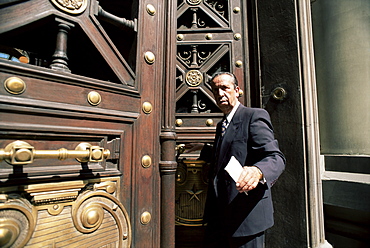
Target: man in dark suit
pixel 238 213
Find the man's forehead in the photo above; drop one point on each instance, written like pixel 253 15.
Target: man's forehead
pixel 222 79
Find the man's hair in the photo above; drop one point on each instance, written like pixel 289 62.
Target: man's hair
pixel 235 81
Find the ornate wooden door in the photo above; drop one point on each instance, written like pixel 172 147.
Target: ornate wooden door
pixel 79 123
pixel 212 36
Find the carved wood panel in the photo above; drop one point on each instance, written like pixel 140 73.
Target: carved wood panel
pixel 74 73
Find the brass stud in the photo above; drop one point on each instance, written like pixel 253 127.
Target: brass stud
pixel 149 57
pixel 145 218
pixel 237 36
pixel 94 98
pixel 146 161
pixel 236 10
pixel 180 37
pixel 150 9
pixel 92 216
pixel 241 93
pixel 209 122
pixel 178 122
pixel 238 63
pixel 209 36
pixel 147 107
pixel 15 85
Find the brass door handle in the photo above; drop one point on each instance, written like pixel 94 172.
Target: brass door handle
pixel 20 153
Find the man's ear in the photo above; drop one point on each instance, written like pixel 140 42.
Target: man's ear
pixel 237 90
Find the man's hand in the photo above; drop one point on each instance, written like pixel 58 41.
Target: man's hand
pixel 248 179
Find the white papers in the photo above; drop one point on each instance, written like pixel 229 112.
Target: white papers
pixel 234 168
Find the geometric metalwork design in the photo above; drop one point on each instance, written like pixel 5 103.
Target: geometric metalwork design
pixel 194 2
pixel 71 6
pixel 194 78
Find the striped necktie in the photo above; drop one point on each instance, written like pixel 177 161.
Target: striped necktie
pixel 223 126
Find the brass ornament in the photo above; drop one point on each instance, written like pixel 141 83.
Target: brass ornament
pixel 180 37
pixel 15 85
pixel 21 153
pixel 178 122
pixel 56 209
pixel 190 192
pixel 109 187
pixel 150 9
pixel 147 107
pixel 241 93
pixel 279 94
pixel 236 10
pixel 209 122
pixel 94 98
pixel 71 6
pixel 17 221
pixel 238 63
pixel 209 36
pixel 94 207
pixel 146 161
pixel 145 218
pixel 194 78
pixel 149 57
pixel 92 216
pixel 9 232
pixel 237 36
pixel 194 2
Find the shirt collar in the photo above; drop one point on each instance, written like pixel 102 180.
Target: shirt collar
pixel 229 116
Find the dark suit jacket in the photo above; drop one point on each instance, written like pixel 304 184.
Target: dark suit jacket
pixel 250 138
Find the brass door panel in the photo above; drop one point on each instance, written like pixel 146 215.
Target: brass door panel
pixel 83 213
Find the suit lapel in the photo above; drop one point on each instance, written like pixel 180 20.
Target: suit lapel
pixel 228 137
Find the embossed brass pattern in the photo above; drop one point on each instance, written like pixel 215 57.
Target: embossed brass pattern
pixel 149 57
pixel 20 153
pixel 237 36
pixel 209 122
pixel 71 6
pixel 150 9
pixel 194 78
pixel 94 98
pixel 145 218
pixel 93 214
pixel 179 122
pixel 15 85
pixel 191 188
pixel 238 63
pixel 147 107
pixel 146 161
pixel 17 221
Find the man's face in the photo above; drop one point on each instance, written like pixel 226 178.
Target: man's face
pixel 225 93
